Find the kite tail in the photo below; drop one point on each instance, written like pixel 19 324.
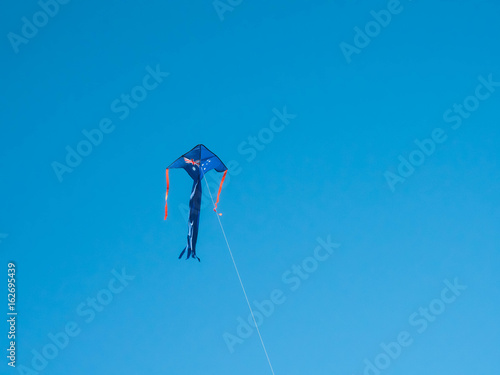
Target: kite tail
pixel 182 253
pixel 193 222
pixel 190 253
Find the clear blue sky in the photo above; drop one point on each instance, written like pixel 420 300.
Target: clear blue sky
pixel 325 173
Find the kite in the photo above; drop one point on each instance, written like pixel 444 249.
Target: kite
pixel 196 163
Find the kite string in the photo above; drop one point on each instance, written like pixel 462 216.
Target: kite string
pixel 239 278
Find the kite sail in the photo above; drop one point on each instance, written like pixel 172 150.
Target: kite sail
pixel 196 163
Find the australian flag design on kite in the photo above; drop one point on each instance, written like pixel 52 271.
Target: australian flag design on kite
pixel 196 163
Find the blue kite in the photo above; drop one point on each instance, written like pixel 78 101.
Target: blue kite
pixel 196 163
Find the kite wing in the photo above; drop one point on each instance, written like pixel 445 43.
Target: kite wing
pixel 196 163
